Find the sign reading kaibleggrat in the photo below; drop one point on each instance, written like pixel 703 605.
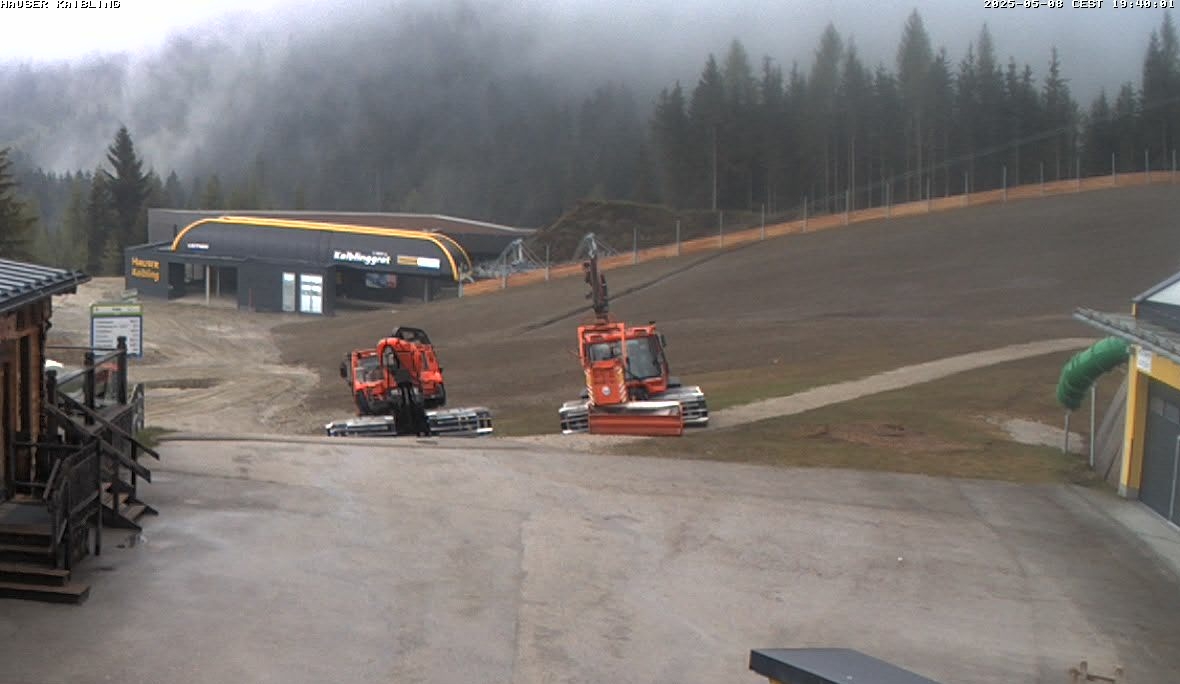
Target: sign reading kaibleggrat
pixel 111 320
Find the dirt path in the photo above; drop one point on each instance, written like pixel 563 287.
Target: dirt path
pixel 887 381
pixel 204 367
pixel 827 395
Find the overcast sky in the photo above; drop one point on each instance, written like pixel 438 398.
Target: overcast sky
pixel 1098 46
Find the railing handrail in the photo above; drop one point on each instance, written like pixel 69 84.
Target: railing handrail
pixel 59 496
pixel 52 479
pixel 109 425
pixel 117 454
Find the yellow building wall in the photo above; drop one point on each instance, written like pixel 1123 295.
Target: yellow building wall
pixel 1143 366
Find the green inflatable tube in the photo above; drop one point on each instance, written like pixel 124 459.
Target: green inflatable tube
pixel 1084 368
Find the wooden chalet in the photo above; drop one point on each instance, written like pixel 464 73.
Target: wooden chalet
pixel 69 459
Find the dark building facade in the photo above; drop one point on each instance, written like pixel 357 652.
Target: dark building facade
pixel 283 265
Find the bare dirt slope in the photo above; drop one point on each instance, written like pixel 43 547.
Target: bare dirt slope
pixel 834 305
pixel 764 320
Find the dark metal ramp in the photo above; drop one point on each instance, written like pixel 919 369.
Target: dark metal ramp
pixel 828 666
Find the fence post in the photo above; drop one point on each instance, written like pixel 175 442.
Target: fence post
pixel 720 227
pixel 1065 447
pixel 1078 172
pixel 504 277
pixel 1093 399
pixel 121 345
pixel 805 213
pixel 966 191
pixel 889 200
pixel 677 237
pixel 1004 181
pixel 847 196
pixel 763 235
pixel 634 245
pixel 546 263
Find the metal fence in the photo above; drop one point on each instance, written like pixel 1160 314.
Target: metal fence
pixel 528 269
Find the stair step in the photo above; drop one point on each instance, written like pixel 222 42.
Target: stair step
pixel 25 534
pixel 25 553
pixel 25 573
pixel 108 499
pixel 73 592
pixel 133 512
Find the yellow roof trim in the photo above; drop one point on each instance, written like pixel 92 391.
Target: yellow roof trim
pixel 335 228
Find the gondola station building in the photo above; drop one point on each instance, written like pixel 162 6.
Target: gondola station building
pixel 302 262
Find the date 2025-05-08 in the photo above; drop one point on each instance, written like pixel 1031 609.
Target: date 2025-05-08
pixel 1079 4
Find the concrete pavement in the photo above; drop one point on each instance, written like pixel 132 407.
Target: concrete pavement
pixel 440 560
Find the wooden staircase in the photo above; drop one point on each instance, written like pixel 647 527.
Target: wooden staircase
pixel 121 509
pixel 78 476
pixel 28 567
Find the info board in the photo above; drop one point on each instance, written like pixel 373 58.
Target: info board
pixel 111 320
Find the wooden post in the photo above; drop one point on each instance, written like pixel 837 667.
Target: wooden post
pixel 121 345
pixel 51 399
pixel 88 385
pixel 677 237
pixel 114 500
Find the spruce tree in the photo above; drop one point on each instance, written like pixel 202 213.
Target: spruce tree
pixel 16 221
pixel 102 223
pixel 915 58
pixel 129 188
